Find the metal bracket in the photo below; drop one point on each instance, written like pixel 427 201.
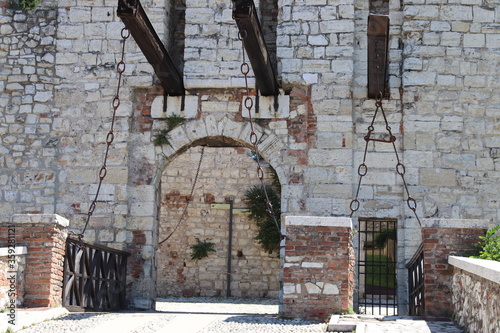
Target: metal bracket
pixel 378 45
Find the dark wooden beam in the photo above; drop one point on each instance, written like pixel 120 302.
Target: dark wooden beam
pixel 137 22
pixel 245 15
pixel 378 38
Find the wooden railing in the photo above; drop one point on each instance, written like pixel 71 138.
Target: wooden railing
pixel 416 283
pixel 94 277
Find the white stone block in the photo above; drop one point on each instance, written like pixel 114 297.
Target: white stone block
pixel 474 40
pixel 312 265
pixel 330 289
pixel 313 221
pixel 312 288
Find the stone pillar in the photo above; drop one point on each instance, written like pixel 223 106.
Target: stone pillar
pixel 441 239
pixel 318 267
pixel 44 236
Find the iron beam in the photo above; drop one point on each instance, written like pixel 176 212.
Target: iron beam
pixel 245 15
pixel 378 37
pixel 137 22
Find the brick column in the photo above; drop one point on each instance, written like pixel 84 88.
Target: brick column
pixel 318 267
pixel 441 239
pixel 44 235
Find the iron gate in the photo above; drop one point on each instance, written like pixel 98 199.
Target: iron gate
pixel 94 277
pixel 416 283
pixel 377 279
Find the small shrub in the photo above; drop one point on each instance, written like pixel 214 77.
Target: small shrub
pixel 489 246
pixel 24 4
pixel 174 121
pixel 161 138
pixel 201 249
pixel 268 236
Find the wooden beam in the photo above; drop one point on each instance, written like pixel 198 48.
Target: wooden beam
pixel 378 38
pixel 245 15
pixel 137 22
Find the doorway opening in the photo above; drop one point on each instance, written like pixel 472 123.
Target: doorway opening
pixel 377 280
pixel 237 266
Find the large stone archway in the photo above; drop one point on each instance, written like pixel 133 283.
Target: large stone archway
pixel 145 196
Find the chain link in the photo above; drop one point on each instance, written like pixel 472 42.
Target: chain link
pixel 120 69
pixel 400 168
pixel 248 104
pixel 188 199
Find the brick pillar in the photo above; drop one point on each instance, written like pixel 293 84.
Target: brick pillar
pixel 44 235
pixel 441 239
pixel 318 267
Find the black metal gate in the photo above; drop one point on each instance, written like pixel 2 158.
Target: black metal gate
pixel 416 283
pixel 94 277
pixel 377 279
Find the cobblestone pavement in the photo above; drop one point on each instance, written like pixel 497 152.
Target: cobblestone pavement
pixel 221 315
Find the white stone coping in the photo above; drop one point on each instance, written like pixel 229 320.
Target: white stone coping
pixel 35 218
pixel 488 269
pixel 316 221
pixel 19 250
pixel 457 223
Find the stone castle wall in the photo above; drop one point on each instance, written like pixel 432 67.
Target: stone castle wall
pixel 58 79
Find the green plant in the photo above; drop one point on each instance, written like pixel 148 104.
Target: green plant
pixel 489 246
pixel 379 271
pixel 382 237
pixel 161 138
pixel 174 121
pixel 201 249
pixel 24 4
pixel 268 236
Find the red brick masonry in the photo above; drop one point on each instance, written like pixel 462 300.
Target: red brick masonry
pixel 318 270
pixel 45 237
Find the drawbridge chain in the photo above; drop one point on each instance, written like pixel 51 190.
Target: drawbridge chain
pixel 400 168
pixel 188 199
pixel 120 68
pixel 248 104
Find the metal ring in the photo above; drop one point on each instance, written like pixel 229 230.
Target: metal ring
pixel 116 102
pixel 370 128
pixel 120 67
pixel 355 201
pixel 125 33
pixel 362 170
pixel 412 204
pixel 242 34
pixel 245 69
pixel 110 137
pixel 103 172
pixel 260 172
pixel 92 208
pixel 400 172
pixel 253 138
pixel 248 103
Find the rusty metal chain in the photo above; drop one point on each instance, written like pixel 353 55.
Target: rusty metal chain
pixel 120 68
pixel 400 168
pixel 188 199
pixel 248 104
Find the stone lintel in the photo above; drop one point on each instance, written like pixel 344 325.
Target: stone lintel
pixel 319 221
pixel 35 218
pixel 457 223
pixel 488 269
